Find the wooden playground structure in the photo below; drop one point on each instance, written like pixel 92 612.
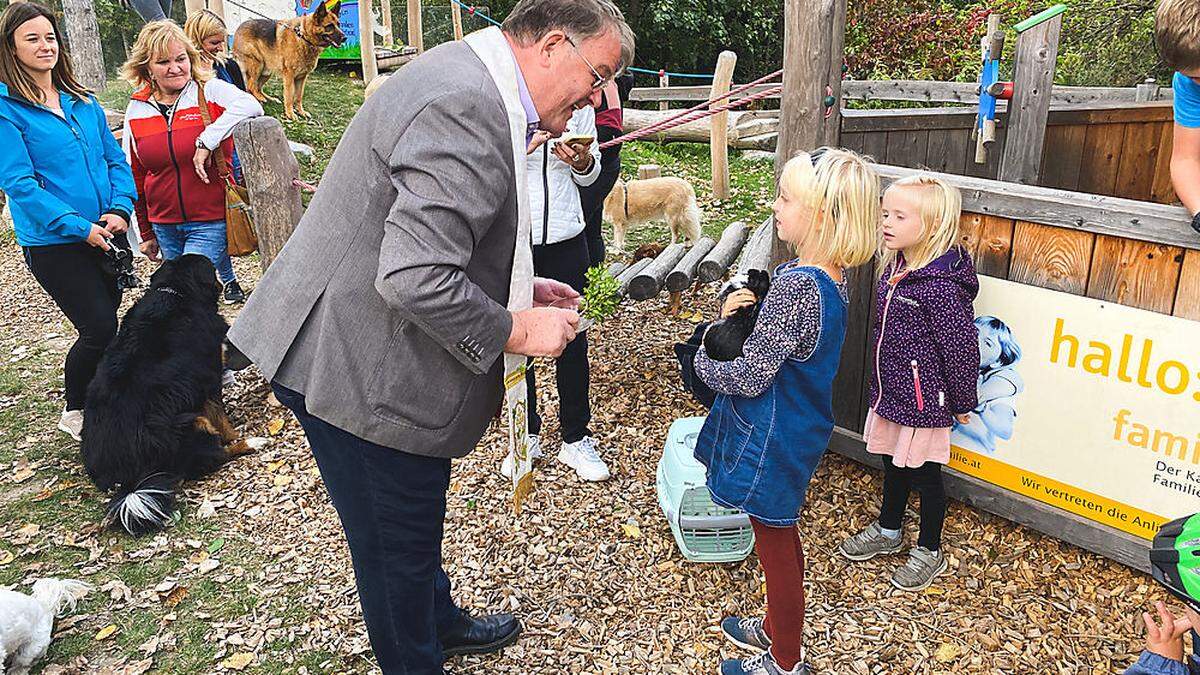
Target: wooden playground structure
pixel 1073 194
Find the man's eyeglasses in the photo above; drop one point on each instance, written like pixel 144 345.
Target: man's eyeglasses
pixel 600 81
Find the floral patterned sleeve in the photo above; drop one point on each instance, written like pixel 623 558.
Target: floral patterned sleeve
pixel 788 325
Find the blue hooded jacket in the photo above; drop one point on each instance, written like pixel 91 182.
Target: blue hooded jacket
pixel 60 173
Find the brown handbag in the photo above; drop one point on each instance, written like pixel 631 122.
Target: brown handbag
pixel 239 226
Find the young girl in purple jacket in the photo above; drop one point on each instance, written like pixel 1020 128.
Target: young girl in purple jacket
pixel 926 355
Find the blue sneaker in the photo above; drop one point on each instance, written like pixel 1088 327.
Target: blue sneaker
pixel 746 633
pixel 761 664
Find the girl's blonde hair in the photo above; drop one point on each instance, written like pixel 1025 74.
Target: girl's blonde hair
pixel 940 211
pixel 14 75
pixel 153 43
pixel 202 25
pixel 843 192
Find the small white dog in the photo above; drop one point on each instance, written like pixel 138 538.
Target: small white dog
pixel 642 201
pixel 26 621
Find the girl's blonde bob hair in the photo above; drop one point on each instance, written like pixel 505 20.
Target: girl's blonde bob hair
pixel 842 192
pixel 153 43
pixel 202 25
pixel 940 211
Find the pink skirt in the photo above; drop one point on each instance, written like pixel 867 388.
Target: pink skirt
pixel 908 446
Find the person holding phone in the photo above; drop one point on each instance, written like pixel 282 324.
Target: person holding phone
pixel 68 185
pixel 556 170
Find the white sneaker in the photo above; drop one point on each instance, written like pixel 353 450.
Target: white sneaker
pixel 584 458
pixel 535 451
pixel 71 423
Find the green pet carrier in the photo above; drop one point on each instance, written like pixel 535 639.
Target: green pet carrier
pixel 704 531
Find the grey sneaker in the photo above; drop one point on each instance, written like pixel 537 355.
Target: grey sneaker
pixel 746 633
pixel 922 567
pixel 761 664
pixel 870 543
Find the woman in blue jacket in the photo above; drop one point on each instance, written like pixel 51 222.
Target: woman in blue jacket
pixel 68 185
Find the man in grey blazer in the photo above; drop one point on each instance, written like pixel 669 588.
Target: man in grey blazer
pixel 382 322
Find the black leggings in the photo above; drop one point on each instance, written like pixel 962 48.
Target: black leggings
pixel 592 196
pixel 565 261
pixel 927 480
pixel 72 275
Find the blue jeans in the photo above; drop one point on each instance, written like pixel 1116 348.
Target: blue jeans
pixel 204 237
pixel 392 506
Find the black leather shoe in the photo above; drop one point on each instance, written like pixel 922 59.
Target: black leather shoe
pixel 481 636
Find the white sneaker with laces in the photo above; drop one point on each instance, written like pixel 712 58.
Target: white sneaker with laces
pixel 71 423
pixel 583 456
pixel 535 451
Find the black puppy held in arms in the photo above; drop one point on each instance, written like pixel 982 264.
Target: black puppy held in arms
pixel 724 339
pixel 153 415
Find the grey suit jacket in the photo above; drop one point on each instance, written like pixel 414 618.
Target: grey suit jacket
pixel 386 308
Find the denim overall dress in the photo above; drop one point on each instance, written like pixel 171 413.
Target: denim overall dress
pixel 761 452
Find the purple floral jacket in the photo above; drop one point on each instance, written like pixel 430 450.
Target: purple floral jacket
pixel 926 348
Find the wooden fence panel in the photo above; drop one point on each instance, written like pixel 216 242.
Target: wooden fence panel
pixel 1051 257
pixel 853 370
pixel 1139 157
pixel 853 141
pixel 947 151
pixel 907 148
pixel 989 240
pixel 1101 158
pixel 1135 273
pixel 1163 191
pixel 874 145
pixel 1062 156
pixel 1187 297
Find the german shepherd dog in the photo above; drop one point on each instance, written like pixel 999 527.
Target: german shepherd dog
pixel 153 415
pixel 290 48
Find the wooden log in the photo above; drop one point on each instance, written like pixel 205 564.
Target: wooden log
pixel 616 268
pixel 83 32
pixel 269 168
pixel 416 31
pixel 456 19
pixel 647 283
pixel 745 128
pixel 628 274
pixel 685 272
pixel 648 171
pixel 1036 60
pixel 718 146
pixel 366 41
pixel 718 260
pixel 756 254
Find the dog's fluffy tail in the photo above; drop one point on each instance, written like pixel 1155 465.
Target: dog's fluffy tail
pixel 57 595
pixel 691 219
pixel 147 507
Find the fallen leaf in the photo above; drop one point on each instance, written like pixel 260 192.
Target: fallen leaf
pixel 282 480
pixel 631 531
pixel 209 565
pixel 206 510
pixel 22 475
pixel 274 427
pixel 238 661
pixel 946 653
pixel 216 545
pixel 176 596
pixel 6 557
pixel 106 632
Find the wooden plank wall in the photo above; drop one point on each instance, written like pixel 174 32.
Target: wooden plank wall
pixel 1155 277
pixel 1115 151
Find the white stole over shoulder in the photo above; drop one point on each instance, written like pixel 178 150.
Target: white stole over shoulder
pixel 492 48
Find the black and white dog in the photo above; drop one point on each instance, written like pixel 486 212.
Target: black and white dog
pixel 154 415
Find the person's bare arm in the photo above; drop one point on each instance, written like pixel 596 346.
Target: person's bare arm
pixel 1185 167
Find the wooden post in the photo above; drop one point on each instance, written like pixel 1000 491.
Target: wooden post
pixel 1147 91
pixel 1036 59
pixel 366 41
pixel 83 33
pixel 664 80
pixel 456 19
pixel 215 6
pixel 813 44
pixel 719 140
pixel 269 167
pixel 648 171
pixel 389 37
pixel 416 34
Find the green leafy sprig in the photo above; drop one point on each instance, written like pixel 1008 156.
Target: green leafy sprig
pixel 600 296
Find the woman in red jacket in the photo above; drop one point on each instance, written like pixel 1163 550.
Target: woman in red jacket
pixel 181 201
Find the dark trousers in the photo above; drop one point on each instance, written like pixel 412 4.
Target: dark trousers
pixel 927 481
pixel 89 297
pixel 392 506
pixel 567 262
pixel 592 196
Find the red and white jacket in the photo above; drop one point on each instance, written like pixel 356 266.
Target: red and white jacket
pixel 160 150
